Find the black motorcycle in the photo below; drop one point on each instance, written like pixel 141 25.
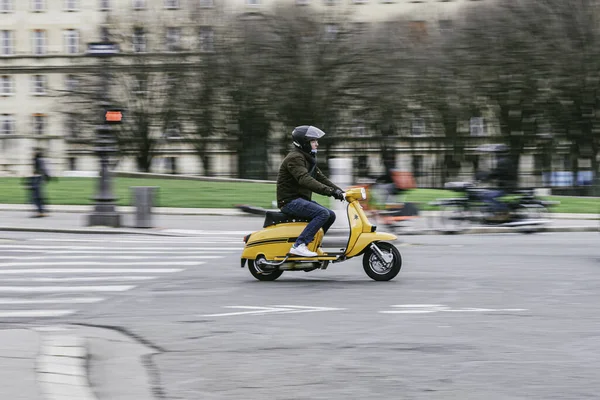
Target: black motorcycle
pixel 456 214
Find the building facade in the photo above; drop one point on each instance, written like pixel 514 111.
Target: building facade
pixel 43 48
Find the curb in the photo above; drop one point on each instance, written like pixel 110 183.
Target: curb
pixel 61 366
pixel 110 231
pixel 489 230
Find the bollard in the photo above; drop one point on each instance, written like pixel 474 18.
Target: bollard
pixel 340 174
pixel 143 199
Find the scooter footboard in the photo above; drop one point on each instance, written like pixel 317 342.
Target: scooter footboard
pixel 365 239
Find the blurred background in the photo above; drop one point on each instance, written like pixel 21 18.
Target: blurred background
pixel 215 87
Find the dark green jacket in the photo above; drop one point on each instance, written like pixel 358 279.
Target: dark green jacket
pixel 299 177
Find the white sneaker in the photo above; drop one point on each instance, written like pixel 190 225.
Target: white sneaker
pixel 302 251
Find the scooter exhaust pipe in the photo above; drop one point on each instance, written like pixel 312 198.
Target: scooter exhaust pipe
pixel 272 263
pixel 384 258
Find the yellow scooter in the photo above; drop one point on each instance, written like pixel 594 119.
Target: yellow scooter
pixel 267 250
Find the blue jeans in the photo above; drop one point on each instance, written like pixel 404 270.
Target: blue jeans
pixel 490 197
pixel 320 217
pixel 37 196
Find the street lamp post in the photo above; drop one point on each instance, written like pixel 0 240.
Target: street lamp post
pixel 105 212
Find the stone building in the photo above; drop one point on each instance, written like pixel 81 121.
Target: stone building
pixel 44 46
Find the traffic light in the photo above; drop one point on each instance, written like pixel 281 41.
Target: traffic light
pixel 113 116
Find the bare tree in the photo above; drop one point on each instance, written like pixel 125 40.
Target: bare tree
pixel 246 90
pixel 501 56
pixel 572 41
pixel 316 69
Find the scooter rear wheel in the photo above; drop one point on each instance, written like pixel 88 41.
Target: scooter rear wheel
pixel 260 274
pixel 378 270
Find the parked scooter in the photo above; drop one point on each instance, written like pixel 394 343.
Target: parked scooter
pixel 267 250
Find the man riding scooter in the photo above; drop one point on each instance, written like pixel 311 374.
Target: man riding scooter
pixel 298 177
pixel 505 175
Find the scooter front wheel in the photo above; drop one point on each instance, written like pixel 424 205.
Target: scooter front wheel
pixel 254 266
pixel 378 270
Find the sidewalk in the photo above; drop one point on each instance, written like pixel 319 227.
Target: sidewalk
pixel 195 221
pixel 53 363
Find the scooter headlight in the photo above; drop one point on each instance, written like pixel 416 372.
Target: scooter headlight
pixel 363 193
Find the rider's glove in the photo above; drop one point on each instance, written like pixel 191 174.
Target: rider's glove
pixel 338 194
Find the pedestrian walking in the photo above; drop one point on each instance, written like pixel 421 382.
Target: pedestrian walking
pixel 36 183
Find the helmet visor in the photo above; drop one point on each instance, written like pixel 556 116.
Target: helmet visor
pixel 313 133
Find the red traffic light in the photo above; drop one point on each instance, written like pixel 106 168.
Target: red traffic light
pixel 113 116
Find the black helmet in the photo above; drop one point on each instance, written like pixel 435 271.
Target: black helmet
pixel 302 135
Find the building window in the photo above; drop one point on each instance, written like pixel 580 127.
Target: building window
pixel 6 85
pixel 140 85
pixel 139 4
pixel 71 83
pixel 418 31
pixel 206 3
pixel 207 38
pixel 104 5
pixel 104 34
pixel 172 131
pixel 39 42
pixel 39 124
pixel 7 124
pixel 302 2
pixel 7 43
pixel 417 165
pixel 358 128
pixel 6 6
pixel 72 164
pixel 331 31
pixel 38 5
pixel 139 40
pixel 172 39
pixel 71 5
pixel 252 2
pixel 172 4
pixel 417 127
pixel 71 129
pixel 38 85
pixel 445 25
pixel 477 126
pixel 71 40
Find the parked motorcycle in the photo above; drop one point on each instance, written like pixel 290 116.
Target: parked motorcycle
pixel 267 250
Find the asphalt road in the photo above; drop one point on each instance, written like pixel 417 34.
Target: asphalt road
pixel 505 316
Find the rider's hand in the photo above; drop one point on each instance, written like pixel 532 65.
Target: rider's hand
pixel 338 194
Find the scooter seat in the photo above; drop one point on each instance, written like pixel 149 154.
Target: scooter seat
pixel 274 218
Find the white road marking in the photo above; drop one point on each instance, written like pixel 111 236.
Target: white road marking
pixel 257 310
pixel 89 271
pixel 104 257
pixel 212 233
pixel 271 309
pixel 81 279
pixel 88 263
pixel 433 308
pixel 302 309
pixel 125 251
pixel 241 234
pixel 62 300
pixel 65 289
pixel 35 313
pixel 111 248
